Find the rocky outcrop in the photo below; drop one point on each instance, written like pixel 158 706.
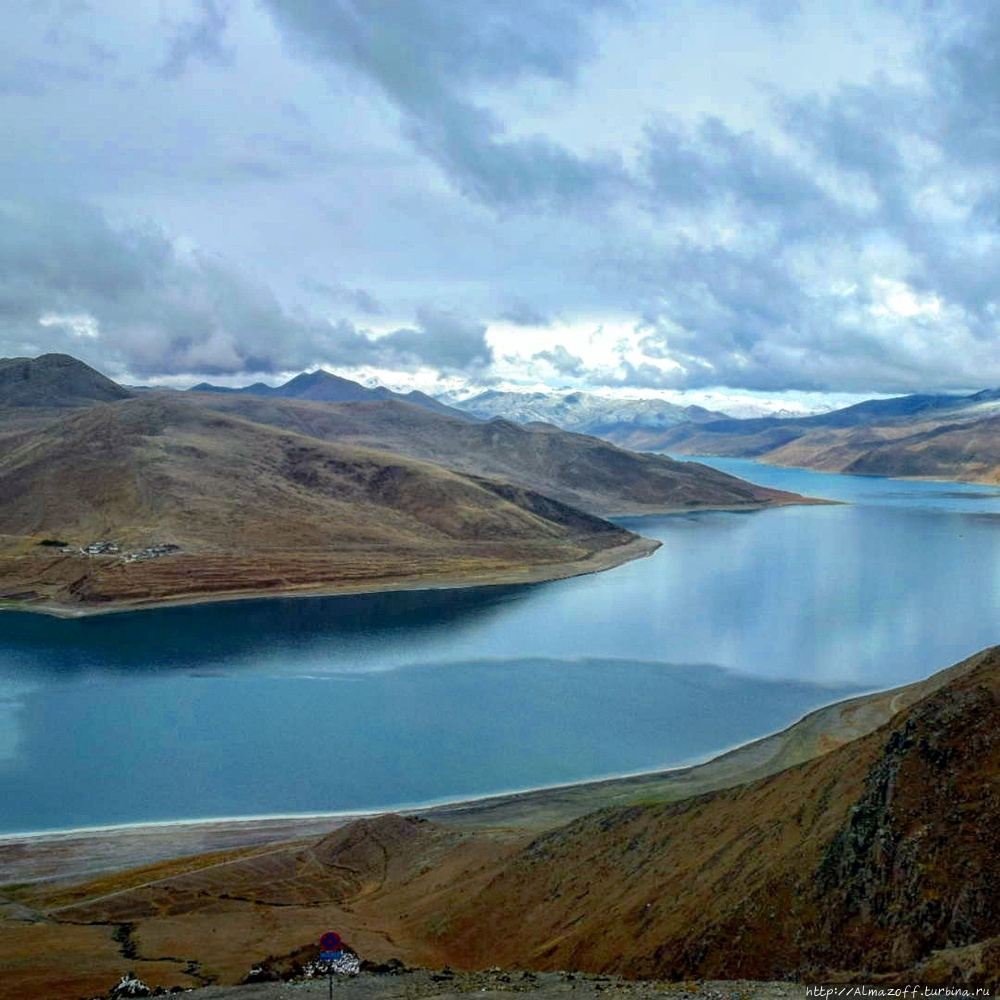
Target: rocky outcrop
pixel 915 868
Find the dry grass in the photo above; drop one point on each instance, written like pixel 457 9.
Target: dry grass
pixel 256 509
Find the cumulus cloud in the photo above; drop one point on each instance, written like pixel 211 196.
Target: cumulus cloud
pixel 829 230
pixel 442 340
pixel 521 313
pixel 562 361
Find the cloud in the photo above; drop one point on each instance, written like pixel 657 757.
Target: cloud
pixel 442 340
pixel 562 362
pixel 710 166
pixel 47 49
pixel 199 39
pixel 357 298
pixel 730 219
pixel 520 313
pixel 127 299
pixel 428 56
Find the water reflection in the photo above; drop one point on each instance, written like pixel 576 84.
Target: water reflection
pixel 228 635
pixel 168 747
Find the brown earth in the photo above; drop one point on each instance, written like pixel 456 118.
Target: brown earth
pixel 161 470
pixel 874 862
pixel 583 471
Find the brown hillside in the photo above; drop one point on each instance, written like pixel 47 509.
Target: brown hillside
pixel 875 862
pixel 586 472
pixel 963 445
pixel 252 507
pixel 967 450
pixel 869 861
pixel 213 917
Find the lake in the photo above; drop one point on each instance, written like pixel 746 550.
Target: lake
pixel 737 626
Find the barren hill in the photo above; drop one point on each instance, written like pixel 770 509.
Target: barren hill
pixel 875 862
pixel 583 471
pixel 880 858
pixel 54 380
pixel 253 507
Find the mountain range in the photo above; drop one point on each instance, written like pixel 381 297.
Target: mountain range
pixel 325 387
pixel 585 471
pixel 934 436
pixel 163 495
pixel 583 412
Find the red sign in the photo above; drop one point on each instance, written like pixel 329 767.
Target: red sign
pixel 330 941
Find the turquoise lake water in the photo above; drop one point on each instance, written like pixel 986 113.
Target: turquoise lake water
pixel 738 625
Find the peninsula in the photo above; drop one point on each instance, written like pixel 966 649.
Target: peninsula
pixel 111 498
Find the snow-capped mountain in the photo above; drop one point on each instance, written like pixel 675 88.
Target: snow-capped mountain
pixel 586 413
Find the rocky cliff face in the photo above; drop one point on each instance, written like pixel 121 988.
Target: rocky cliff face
pixel 916 867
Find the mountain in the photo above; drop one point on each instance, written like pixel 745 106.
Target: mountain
pixel 54 381
pixel 941 437
pixel 178 495
pixel 322 386
pixel 583 471
pixel 583 412
pixel 256 508
pixel 875 861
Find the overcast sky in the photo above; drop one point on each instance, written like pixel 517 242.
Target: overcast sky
pixel 765 195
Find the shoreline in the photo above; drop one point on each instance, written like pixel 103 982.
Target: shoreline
pixel 82 853
pixel 763 460
pixel 597 562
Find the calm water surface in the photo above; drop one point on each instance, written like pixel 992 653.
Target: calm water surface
pixel 737 626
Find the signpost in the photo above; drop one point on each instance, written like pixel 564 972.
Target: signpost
pixel 331 952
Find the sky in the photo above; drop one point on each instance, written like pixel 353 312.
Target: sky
pixel 799 199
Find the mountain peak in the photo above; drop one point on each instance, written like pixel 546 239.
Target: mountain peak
pixel 54 380
pixel 317 377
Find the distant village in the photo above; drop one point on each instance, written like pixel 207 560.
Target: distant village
pixel 106 548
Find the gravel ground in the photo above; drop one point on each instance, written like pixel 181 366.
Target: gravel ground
pixel 417 984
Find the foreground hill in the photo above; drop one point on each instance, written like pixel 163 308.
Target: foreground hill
pixel 249 508
pixel 877 859
pixel 937 437
pixel 873 862
pixel 583 471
